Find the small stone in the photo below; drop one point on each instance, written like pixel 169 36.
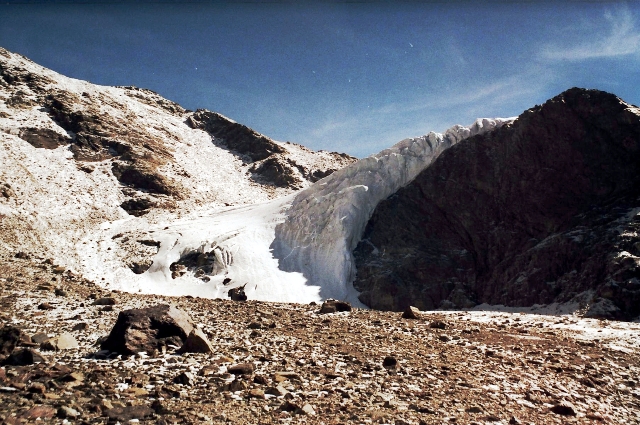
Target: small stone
pixel 105 404
pixel 444 338
pixel 10 337
pixel 237 294
pixel 51 396
pixel 593 416
pixel 286 376
pixel 276 391
pixel 45 306
pixel 185 378
pixel 105 301
pixel 73 377
pixel 196 342
pixel 65 412
pixel 411 313
pixel 389 362
pixel 24 357
pixel 564 408
pixel 60 292
pixel 333 306
pixel 289 406
pixel 37 388
pixel 39 338
pixel 473 409
pixel 238 385
pixel 256 393
pixel 438 324
pixel 254 325
pixel 242 369
pixel 514 421
pixel 125 414
pixel 307 409
pixel 260 379
pixel 65 341
pixel 82 326
pixel 42 412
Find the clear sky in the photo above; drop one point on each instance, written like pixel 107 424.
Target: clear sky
pixel 352 77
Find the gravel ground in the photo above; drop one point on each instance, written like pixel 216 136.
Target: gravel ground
pixel 299 366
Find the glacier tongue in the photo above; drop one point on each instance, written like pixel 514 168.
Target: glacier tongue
pixel 326 221
pixel 296 248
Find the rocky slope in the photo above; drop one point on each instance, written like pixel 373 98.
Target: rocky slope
pixel 274 363
pixel 540 211
pixel 74 155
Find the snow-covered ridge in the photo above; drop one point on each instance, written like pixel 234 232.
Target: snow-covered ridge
pixel 70 210
pixel 327 220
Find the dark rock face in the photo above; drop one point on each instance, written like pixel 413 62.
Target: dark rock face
pixel 152 98
pixel 97 137
pixel 540 211
pixel 237 137
pixel 148 329
pixel 142 177
pixel 269 161
pixel 137 206
pixel 277 170
pixel 43 137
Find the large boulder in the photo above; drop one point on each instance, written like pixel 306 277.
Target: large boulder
pixel 148 329
pixel 543 210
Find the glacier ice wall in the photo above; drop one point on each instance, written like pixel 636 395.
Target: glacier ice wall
pixel 326 221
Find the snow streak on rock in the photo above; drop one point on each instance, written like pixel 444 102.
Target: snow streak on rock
pixel 327 220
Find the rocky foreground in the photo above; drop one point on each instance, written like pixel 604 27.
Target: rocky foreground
pixel 288 363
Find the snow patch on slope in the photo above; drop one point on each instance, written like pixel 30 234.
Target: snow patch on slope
pixel 241 234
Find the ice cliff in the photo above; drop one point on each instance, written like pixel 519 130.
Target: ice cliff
pixel 326 221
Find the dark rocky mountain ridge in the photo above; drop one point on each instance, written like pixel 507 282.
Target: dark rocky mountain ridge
pixel 540 211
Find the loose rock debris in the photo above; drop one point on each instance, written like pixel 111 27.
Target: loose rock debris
pixel 273 363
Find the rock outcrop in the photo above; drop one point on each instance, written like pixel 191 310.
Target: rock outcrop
pixel 148 329
pixel 237 137
pixel 272 162
pixel 540 211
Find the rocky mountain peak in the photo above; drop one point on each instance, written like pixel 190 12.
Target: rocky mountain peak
pixel 536 212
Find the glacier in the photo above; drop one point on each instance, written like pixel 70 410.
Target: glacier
pixel 326 221
pixel 296 248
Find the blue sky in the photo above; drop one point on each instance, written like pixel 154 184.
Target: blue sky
pixel 349 77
